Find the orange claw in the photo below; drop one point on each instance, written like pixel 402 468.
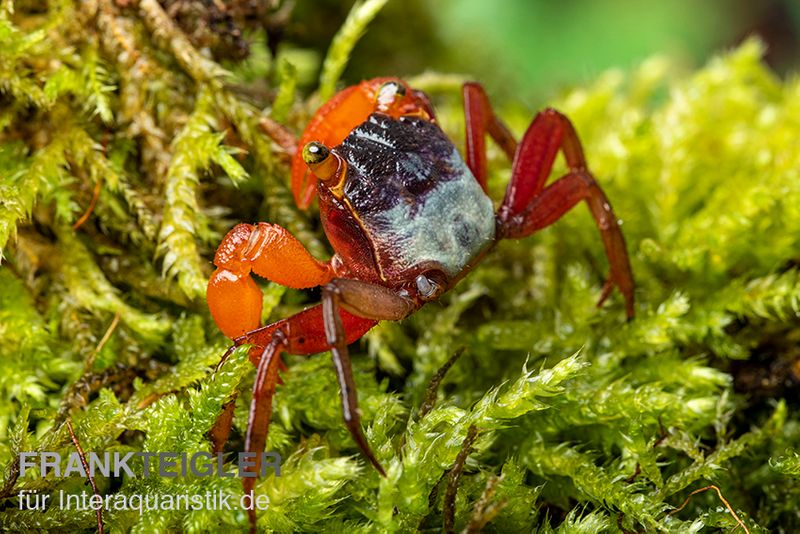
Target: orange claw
pixel 268 250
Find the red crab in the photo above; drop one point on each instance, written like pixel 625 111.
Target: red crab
pixel 407 217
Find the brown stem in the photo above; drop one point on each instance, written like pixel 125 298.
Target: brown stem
pixel 433 387
pixel 719 494
pixel 453 479
pixel 99 511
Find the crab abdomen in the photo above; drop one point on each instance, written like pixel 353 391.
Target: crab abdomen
pixel 414 196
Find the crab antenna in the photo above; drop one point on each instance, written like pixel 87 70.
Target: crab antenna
pixel 319 160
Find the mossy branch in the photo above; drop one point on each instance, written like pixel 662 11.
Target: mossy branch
pixel 361 14
pixel 167 35
pixel 92 290
pixel 194 149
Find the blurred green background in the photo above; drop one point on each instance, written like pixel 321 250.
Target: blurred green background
pixel 532 48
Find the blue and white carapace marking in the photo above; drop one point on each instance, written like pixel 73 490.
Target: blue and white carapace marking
pixel 414 195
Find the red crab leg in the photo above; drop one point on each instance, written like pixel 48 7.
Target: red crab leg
pixel 334 332
pixel 528 207
pixel 374 301
pixel 270 251
pixel 261 410
pixel 331 326
pixel 323 327
pixel 480 120
pixel 533 160
pixel 302 333
pixel 305 332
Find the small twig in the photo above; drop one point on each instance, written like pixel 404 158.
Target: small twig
pixel 81 387
pixel 151 398
pixel 280 135
pixel 432 496
pixel 12 475
pixel 433 387
pixel 89 363
pixel 429 401
pixel 453 478
pixel 635 474
pixel 485 510
pixel 99 511
pixel 172 39
pixel 719 494
pixel 112 34
pixel 95 195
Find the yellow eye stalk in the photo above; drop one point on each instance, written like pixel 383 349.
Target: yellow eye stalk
pixel 319 160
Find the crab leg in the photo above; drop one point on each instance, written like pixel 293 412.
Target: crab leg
pixel 349 309
pixel 533 160
pixel 554 201
pixel 375 301
pixel 322 327
pixel 305 332
pixel 302 333
pixel 344 373
pixel 261 409
pixel 528 206
pixel 480 120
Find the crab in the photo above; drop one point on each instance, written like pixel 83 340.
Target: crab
pixel 407 217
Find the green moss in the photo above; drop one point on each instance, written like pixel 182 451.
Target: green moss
pixel 585 422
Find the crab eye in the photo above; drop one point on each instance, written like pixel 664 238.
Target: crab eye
pixel 389 91
pixel 426 288
pixel 318 158
pixel 315 153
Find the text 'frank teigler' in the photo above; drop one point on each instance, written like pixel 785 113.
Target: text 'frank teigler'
pixel 148 464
